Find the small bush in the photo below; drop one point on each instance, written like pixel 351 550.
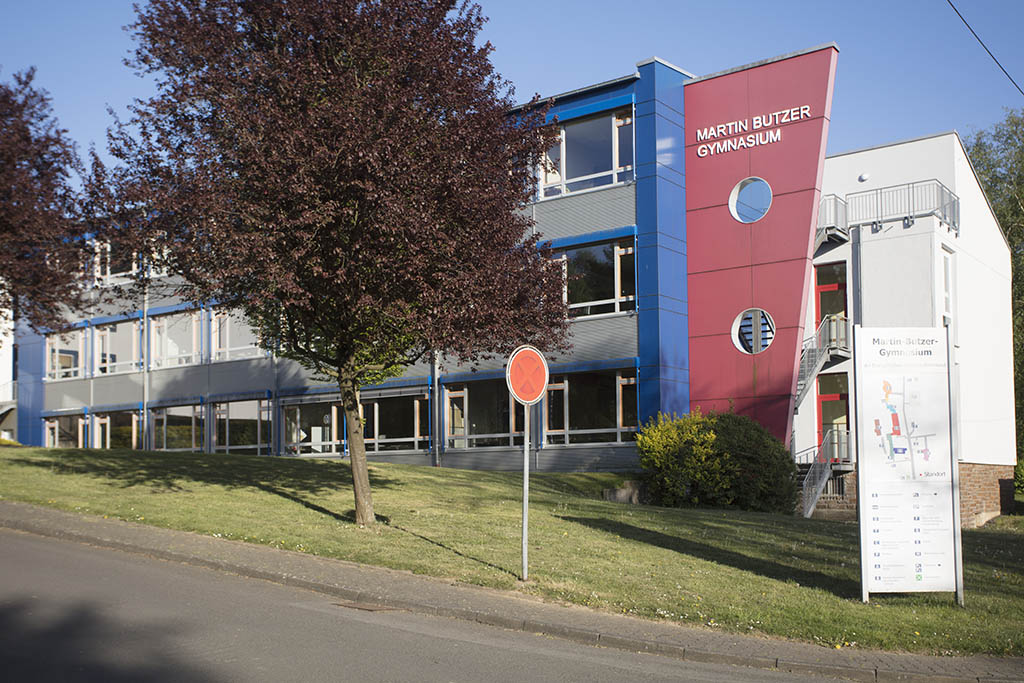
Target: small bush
pixel 716 459
pixel 8 442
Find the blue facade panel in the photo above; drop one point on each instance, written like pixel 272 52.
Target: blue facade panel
pixel 663 329
pixel 31 369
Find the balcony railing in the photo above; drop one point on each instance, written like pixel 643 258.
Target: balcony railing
pixel 832 221
pixel 8 392
pixel 899 202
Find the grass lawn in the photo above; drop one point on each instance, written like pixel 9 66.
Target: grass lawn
pixel 735 571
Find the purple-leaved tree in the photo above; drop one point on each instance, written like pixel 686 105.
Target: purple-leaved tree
pixel 348 174
pixel 43 255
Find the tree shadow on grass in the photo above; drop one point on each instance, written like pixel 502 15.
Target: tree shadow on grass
pixel 169 472
pixel 350 516
pixel 841 587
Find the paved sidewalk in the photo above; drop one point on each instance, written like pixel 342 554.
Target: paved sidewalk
pixel 362 584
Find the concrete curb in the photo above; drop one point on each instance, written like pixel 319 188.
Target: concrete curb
pixel 555 630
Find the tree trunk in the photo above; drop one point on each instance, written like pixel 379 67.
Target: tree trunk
pixel 349 386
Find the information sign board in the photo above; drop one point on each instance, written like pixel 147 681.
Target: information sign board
pixel 905 470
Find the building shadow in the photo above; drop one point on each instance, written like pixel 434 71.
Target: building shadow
pixel 170 472
pixel 841 587
pixel 79 644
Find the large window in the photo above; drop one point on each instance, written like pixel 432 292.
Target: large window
pixel 600 278
pixel 64 354
pixel 117 348
pixel 243 427
pixel 121 429
pixel 397 423
pixel 591 407
pixel 178 429
pixel 233 338
pixel 590 153
pixel 174 339
pixel 311 428
pixel 481 414
pixel 114 264
pixel 65 431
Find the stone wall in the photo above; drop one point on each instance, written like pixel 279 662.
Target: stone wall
pixel 986 491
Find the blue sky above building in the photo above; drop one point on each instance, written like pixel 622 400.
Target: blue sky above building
pixel 906 68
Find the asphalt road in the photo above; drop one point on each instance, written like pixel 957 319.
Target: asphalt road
pixel 71 612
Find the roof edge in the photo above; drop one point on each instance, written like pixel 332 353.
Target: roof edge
pixel 659 60
pixel 597 86
pixel 788 55
pixel 893 144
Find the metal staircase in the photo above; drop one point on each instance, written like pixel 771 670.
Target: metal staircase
pixel 817 463
pixel 832 221
pixel 830 341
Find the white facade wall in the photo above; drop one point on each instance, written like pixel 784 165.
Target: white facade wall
pixel 898 280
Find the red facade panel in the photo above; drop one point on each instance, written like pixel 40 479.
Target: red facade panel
pixel 768 121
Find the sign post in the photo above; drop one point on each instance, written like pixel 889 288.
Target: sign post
pixel 527 379
pixel 906 465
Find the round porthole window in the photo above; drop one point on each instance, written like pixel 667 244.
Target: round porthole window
pixel 750 200
pixel 753 331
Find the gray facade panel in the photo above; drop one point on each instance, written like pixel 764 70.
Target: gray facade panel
pixel 117 389
pixel 590 459
pixel 600 339
pixel 401 459
pixel 183 382
pixel 587 212
pixel 241 376
pixel 66 394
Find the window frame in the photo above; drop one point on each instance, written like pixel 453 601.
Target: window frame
pixel 158 334
pixel 512 437
pixel 55 373
pixel 420 438
pixel 101 267
pixel 198 417
pixel 617 118
pixel 219 353
pixel 104 368
pixel 621 303
pixel 623 377
pixel 264 428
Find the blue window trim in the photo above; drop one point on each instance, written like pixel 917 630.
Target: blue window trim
pixel 591 237
pixel 588 109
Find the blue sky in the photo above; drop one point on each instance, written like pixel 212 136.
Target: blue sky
pixel 906 67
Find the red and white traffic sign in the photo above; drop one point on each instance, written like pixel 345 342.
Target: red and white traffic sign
pixel 527 375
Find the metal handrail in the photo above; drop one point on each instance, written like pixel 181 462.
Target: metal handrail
pixel 912 200
pixel 832 212
pixel 833 450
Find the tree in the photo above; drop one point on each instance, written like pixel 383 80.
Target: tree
pixel 998 157
pixel 347 173
pixel 42 250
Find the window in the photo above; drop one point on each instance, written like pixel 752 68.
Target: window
pixel 174 339
pixel 948 269
pixel 600 278
pixel 114 264
pixel 481 414
pixel 591 407
pixel 242 427
pixel 312 428
pixel 117 348
pixel 753 331
pixel 64 354
pixel 233 338
pixel 750 200
pixel 399 423
pixel 65 431
pixel 591 152
pixel 178 429
pixel 830 291
pixel 122 429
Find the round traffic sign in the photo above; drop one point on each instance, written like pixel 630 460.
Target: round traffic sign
pixel 527 375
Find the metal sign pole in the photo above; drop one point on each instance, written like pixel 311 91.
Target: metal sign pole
pixel 954 469
pixel 526 485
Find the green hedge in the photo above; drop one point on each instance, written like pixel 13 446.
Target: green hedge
pixel 716 459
